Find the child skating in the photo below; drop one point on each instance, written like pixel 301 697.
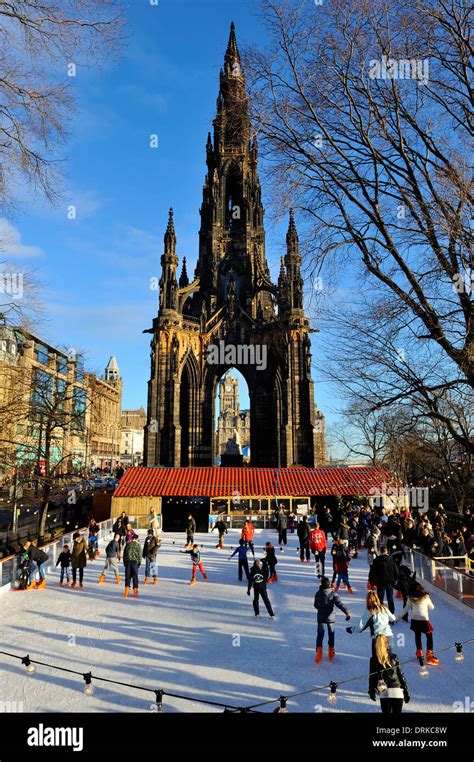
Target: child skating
pixel 242 552
pixel 325 601
pixel 419 604
pixel 112 556
pixel 195 554
pixel 341 558
pixel 150 550
pixel 64 559
pixel 271 561
pixel 132 558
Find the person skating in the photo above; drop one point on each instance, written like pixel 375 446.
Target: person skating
pixel 242 552
pixel 383 574
pixel 195 554
pixel 40 558
pixel 112 556
pixel 248 533
pixel 303 531
pixel 406 581
pixel 93 540
pixel 153 521
pixel 385 672
pixel 258 581
pixel 150 552
pixel 221 527
pixel 372 546
pixel 376 618
pixel 64 559
pixel 318 546
pixel 271 561
pixel 325 601
pixel 78 558
pixel 282 527
pixel 120 528
pixel 129 534
pixel 132 558
pixel 419 604
pixel 341 559
pixel 190 527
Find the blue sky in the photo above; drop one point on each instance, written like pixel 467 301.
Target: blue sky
pixel 95 270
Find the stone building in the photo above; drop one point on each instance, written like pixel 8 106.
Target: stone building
pixel 231 418
pixel 51 410
pixel 131 442
pixel 231 314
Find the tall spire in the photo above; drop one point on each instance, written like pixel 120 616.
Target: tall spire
pixel 232 56
pixel 170 235
pixel 292 236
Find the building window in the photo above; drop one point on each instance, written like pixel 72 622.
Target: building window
pixel 41 353
pixel 61 364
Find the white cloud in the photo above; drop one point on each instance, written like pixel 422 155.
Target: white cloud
pixel 11 244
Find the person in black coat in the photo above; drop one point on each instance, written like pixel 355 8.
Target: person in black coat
pixel 258 581
pixel 387 679
pixel 395 549
pixel 458 546
pixel 221 527
pixel 325 601
pixel 282 526
pixel 303 531
pixel 190 528
pixel 40 558
pixel 384 574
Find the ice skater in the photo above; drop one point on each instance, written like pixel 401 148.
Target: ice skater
pixel 303 531
pixel 221 527
pixel 78 558
pixel 386 678
pixel 325 601
pixel 341 557
pixel 248 533
pixel 419 604
pixel 38 556
pixel 376 618
pixel 94 534
pixel 132 558
pixel 270 561
pixel 258 581
pixel 242 552
pixel 318 546
pixel 195 554
pixel 112 556
pixel 64 559
pixel 150 551
pixel 190 528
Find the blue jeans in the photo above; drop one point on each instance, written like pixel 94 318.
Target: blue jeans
pixel 320 637
pixel 64 572
pixel 41 568
pixel 150 567
pixel 344 577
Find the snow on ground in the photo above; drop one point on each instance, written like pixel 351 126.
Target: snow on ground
pixel 205 642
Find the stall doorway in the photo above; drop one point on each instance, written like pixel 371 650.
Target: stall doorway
pixel 175 510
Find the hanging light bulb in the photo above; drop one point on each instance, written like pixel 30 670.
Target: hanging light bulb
pixel 88 688
pixel 424 671
pixel 282 709
pixel 459 654
pixel 30 667
pixel 381 685
pixel 158 705
pixel 332 698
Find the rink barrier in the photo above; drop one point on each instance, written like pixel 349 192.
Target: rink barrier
pixel 8 565
pixel 455 581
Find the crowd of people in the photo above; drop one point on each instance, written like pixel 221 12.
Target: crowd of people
pixel 336 534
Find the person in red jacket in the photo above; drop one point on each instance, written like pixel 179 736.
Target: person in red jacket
pixel 318 546
pixel 341 559
pixel 248 533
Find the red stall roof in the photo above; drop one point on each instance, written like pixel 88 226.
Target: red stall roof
pixel 252 482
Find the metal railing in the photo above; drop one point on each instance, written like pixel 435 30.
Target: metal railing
pixel 443 573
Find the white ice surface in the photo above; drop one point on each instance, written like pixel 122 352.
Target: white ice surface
pixel 205 642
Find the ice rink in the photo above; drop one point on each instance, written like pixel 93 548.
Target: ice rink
pixel 204 641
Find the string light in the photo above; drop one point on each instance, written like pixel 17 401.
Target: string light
pixel 30 667
pixel 424 671
pixel 88 687
pixel 332 698
pixel 459 654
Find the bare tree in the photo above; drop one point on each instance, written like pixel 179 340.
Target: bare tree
pixel 364 111
pixel 41 43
